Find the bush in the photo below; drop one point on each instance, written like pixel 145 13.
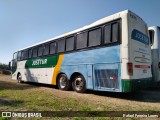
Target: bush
pixel 6 72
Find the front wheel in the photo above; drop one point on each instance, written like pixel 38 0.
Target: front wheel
pixel 19 78
pixel 79 84
pixel 63 82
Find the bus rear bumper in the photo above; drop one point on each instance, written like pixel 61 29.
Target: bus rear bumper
pixel 130 85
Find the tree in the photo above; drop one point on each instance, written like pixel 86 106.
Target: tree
pixel 3 66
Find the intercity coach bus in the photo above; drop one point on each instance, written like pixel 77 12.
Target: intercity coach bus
pixel 111 54
pixel 154 33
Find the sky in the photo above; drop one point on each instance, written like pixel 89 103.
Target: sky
pixel 27 22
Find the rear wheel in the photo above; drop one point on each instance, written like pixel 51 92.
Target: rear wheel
pixel 63 82
pixel 79 84
pixel 19 78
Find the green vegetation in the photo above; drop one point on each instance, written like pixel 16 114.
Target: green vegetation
pixel 14 96
pixel 3 66
pixel 37 97
pixel 4 69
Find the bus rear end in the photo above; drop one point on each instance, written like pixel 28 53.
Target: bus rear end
pixel 139 55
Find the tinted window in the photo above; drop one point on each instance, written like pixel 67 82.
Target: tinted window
pixel 40 50
pixel 19 55
pixel 115 32
pixel 15 56
pixel 30 53
pixel 61 45
pixel 69 43
pixel 94 37
pixel 26 54
pixel 22 55
pixel 107 34
pixel 53 48
pixel 34 52
pixel 81 40
pixel 46 49
pixel 151 35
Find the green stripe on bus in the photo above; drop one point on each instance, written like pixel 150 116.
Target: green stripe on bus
pixel 44 62
pixel 129 85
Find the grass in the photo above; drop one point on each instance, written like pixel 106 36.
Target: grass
pixel 14 96
pixel 37 97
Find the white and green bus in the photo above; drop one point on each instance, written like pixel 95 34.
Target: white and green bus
pixel 154 33
pixel 111 54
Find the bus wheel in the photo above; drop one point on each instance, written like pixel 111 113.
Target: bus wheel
pixel 19 78
pixel 63 82
pixel 79 84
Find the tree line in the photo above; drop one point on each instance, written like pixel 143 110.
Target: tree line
pixel 4 69
pixel 4 66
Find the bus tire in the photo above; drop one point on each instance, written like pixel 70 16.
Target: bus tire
pixel 19 78
pixel 63 82
pixel 79 84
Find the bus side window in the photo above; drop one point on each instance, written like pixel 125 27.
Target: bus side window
pixel 26 54
pixel 69 43
pixel 151 35
pixel 40 50
pixel 95 37
pixel 107 34
pixel 19 55
pixel 46 49
pixel 15 56
pixel 34 52
pixel 115 32
pixel 22 55
pixel 61 45
pixel 30 53
pixel 53 48
pixel 81 40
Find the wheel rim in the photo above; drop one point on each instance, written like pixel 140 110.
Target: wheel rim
pixel 79 83
pixel 63 82
pixel 19 78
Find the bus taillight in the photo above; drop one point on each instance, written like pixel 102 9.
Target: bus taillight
pixel 130 68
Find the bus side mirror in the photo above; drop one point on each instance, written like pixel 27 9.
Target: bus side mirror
pixel 9 66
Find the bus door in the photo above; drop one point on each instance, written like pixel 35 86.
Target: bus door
pixel 90 76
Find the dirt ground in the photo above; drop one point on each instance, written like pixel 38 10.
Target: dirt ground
pixel 146 100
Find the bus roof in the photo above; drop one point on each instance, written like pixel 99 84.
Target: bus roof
pixel 98 22
pixel 153 27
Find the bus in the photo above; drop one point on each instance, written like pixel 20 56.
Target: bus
pixel 154 33
pixel 112 54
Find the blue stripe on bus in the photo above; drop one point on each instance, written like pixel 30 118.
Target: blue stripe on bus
pixel 87 61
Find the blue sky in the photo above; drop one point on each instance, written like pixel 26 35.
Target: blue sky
pixel 26 22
